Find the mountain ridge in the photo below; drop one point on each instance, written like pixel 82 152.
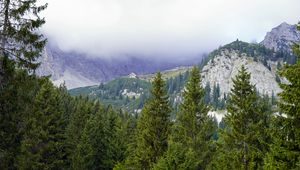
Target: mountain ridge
pixel 219 68
pixel 79 70
pixel 281 37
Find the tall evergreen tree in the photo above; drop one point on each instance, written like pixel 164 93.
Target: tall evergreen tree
pixel 190 143
pixel 127 134
pixel 78 118
pixel 20 44
pixel 215 96
pixel 193 111
pixel 207 97
pixel 98 146
pixel 19 39
pixel 15 105
pixel 285 151
pixel 244 140
pixel 153 127
pixel 42 144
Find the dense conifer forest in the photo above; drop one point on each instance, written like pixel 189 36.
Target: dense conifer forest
pixel 43 127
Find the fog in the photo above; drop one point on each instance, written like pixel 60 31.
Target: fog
pixel 164 28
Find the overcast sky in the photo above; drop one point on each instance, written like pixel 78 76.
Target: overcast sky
pixel 171 28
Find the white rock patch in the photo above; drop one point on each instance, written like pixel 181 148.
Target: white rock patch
pixel 224 67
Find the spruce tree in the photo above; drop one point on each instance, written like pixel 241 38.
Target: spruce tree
pixel 15 105
pixel 19 39
pixel 215 96
pixel 285 151
pixel 191 140
pixel 207 97
pixel 98 147
pixel 244 140
pixel 20 45
pixel 153 127
pixel 42 144
pixel 126 134
pixel 82 111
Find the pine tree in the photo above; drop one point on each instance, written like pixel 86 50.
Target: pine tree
pixel 82 111
pixel 244 140
pixel 42 144
pixel 285 151
pixel 126 133
pixel 190 143
pixel 193 111
pixel 153 127
pixel 19 39
pixel 207 97
pixel 15 105
pixel 215 96
pixel 99 145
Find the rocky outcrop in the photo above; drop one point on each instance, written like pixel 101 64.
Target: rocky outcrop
pixel 224 67
pixel 281 37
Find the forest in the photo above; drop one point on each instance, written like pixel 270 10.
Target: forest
pixel 43 127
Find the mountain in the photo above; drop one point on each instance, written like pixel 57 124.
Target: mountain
pixel 130 92
pixel 281 37
pixel 261 60
pixel 126 93
pixel 79 69
pixel 225 62
pixel 217 71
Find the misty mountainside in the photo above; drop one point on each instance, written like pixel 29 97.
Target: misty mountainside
pixel 79 70
pixel 217 71
pixel 130 92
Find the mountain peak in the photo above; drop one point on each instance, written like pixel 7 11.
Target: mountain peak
pixel 284 24
pixel 280 37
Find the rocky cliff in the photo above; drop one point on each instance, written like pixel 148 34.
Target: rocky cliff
pixel 261 60
pixel 224 67
pixel 281 37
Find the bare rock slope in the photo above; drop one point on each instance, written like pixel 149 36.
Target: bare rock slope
pixel 224 67
pixel 281 37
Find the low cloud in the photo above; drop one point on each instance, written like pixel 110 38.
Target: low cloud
pixel 170 28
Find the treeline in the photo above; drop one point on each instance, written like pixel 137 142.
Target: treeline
pixel 43 127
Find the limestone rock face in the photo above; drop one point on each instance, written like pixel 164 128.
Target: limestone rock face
pixel 281 37
pixel 224 67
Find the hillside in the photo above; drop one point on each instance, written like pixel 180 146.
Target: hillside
pixel 226 61
pixel 167 74
pixel 126 93
pixel 217 71
pixel 130 94
pixel 80 69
